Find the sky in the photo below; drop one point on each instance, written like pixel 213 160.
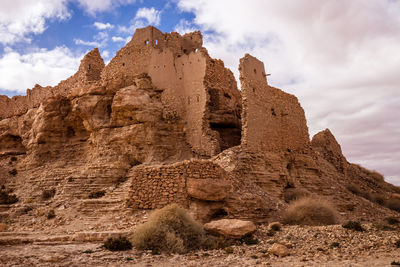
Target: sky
pixel 340 58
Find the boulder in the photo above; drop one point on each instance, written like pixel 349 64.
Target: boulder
pixel 230 228
pixel 208 189
pixel 279 250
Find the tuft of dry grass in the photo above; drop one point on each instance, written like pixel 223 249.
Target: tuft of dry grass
pixel 310 211
pixel 291 194
pixel 393 204
pixel 170 229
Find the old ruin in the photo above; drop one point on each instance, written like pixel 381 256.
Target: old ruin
pixel 164 123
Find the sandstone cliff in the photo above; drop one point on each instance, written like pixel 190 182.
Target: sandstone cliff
pixel 161 123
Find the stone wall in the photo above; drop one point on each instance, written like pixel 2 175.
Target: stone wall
pixel 157 186
pixel 272 120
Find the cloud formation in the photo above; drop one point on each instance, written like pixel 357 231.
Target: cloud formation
pixel 339 57
pixel 151 16
pixel 45 67
pixel 95 6
pixel 21 18
pixel 103 26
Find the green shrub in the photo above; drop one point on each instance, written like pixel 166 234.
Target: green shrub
pixel 353 225
pixel 393 204
pixel 6 198
pixel 48 193
pixel 310 211
pixel 170 229
pixel 51 214
pixel 118 244
pixel 97 194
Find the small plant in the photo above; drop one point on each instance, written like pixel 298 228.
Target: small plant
pixel 353 225
pixel 49 193
pixel 392 220
pixel 378 199
pixel 6 198
pixel 13 172
pixel 51 214
pixel 397 243
pixel 310 211
pixel 170 229
pixel 249 240
pixel 118 244
pixel 228 250
pixel 88 251
pixel 291 194
pixel 97 194
pixel 354 189
pixel 27 209
pixel 393 204
pixel 334 245
pixel 275 226
pixel 270 232
pixel 395 263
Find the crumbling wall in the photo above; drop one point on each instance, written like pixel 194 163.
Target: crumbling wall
pixel 272 120
pixel 223 104
pixel 157 186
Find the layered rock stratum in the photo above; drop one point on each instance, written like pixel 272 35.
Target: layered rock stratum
pixel 165 123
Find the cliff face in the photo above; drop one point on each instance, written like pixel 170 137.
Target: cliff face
pixel 163 116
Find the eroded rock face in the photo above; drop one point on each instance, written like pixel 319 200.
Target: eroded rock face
pixel 230 228
pixel 325 143
pixel 165 123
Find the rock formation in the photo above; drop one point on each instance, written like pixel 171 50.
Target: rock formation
pixel 163 122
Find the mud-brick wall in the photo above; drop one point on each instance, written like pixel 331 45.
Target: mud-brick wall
pixel 157 186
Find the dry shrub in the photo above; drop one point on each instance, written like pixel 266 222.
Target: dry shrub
pixel 354 189
pixel 48 193
pixel 291 194
pixel 118 244
pixel 354 225
pixel 6 198
pixel 170 229
pixel 310 211
pixel 393 204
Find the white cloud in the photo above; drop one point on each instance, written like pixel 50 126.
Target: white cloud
pixel 87 43
pixel 42 66
pixel 117 39
pixel 96 6
pixel 184 26
pixel 103 26
pixel 151 15
pixel 21 18
pixel 339 57
pixel 105 54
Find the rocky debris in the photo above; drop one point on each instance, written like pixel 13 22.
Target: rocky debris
pixel 279 250
pixel 230 228
pixel 208 189
pixel 308 246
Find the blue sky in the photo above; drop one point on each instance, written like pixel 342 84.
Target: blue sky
pixel 340 58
